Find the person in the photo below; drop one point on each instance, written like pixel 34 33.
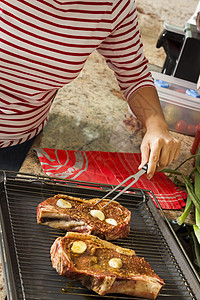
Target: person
pixel 195 18
pixel 44 45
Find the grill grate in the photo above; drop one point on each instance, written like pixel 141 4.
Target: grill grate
pixel 26 245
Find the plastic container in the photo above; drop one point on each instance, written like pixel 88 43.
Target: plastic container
pixel 181 108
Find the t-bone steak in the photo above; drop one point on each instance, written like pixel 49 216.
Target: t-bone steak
pixel 79 215
pixel 104 267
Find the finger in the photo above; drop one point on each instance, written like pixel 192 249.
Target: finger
pixel 174 154
pixel 178 149
pixel 145 152
pixel 169 152
pixel 153 159
pixel 171 156
pixel 161 165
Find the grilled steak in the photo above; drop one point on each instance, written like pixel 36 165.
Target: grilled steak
pixel 79 215
pixel 104 267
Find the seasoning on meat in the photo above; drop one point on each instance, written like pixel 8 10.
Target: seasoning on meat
pixel 111 221
pixel 63 203
pixel 78 247
pixel 115 263
pixel 96 213
pixel 79 215
pixel 104 267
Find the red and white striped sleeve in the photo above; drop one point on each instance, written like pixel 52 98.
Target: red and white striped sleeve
pixel 123 49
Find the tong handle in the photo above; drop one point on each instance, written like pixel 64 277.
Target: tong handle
pixel 145 167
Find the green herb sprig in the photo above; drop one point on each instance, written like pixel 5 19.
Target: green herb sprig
pixel 192 185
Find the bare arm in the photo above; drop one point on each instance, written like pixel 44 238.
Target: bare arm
pixel 158 147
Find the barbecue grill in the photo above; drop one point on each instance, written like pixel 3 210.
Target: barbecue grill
pixel 25 245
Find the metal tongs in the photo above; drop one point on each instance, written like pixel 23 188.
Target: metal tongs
pixel 135 176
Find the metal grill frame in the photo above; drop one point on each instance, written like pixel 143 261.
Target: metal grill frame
pixel 21 193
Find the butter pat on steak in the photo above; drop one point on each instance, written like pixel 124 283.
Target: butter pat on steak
pixel 104 267
pixel 79 215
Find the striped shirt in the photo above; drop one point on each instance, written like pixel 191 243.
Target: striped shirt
pixel 44 45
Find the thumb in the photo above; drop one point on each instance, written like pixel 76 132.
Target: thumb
pixel 145 153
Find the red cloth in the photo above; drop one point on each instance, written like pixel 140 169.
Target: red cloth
pixel 109 168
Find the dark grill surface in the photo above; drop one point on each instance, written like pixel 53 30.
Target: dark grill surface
pixel 26 245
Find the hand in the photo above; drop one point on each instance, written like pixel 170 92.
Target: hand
pixel 159 148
